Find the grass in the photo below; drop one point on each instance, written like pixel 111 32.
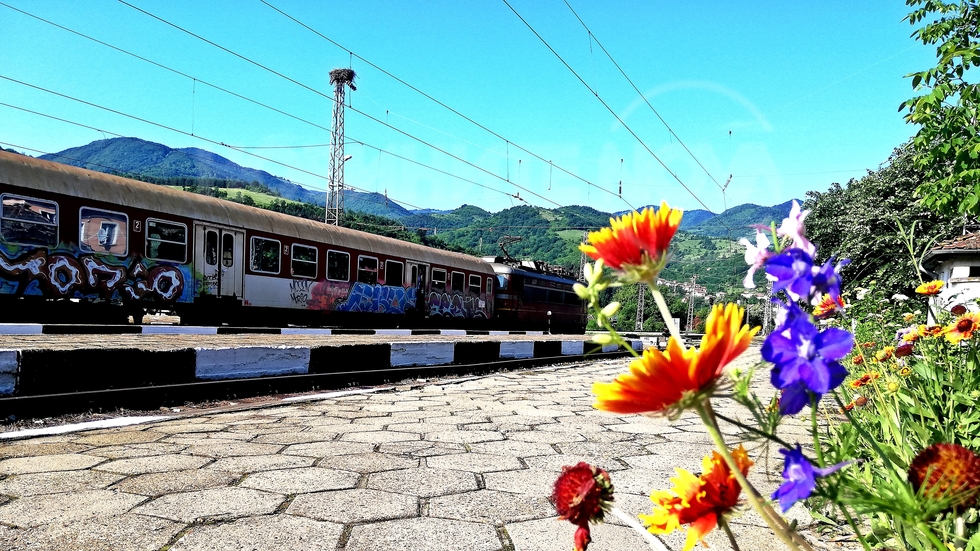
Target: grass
pixel 261 199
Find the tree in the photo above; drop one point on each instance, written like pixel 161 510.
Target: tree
pixel 860 221
pixel 948 142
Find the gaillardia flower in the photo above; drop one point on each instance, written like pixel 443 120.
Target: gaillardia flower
pixel 582 494
pixel 828 306
pixel 962 328
pixel 946 472
pixel 636 243
pixel 698 500
pixel 659 380
pixel 801 477
pixel 930 288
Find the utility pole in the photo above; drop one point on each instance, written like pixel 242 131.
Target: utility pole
pixel 335 192
pixel 767 320
pixel 581 262
pixel 638 326
pixel 690 303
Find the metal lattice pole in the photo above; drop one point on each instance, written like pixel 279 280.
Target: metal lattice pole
pixel 690 303
pixel 767 320
pixel 638 326
pixel 335 192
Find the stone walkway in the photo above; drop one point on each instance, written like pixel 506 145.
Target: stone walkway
pixel 439 466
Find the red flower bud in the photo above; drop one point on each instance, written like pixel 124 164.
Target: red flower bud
pixel 946 471
pixel 958 310
pixel 581 495
pixel 903 350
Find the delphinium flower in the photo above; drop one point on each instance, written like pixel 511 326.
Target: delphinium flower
pixel 794 228
pixel 801 477
pixel 582 494
pixel 636 243
pixel 755 256
pixel 930 288
pixel 962 328
pixel 946 472
pixel 659 381
pixel 698 501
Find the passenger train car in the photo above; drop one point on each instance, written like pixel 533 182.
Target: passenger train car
pixel 83 246
pixel 528 296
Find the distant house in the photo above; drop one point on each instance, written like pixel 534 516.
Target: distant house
pixel 957 263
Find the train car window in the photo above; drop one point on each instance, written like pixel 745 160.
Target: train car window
pixel 503 281
pixel 266 255
pixel 227 250
pixel 304 261
pixel 102 231
pixel 27 221
pixel 367 269
pixel 438 279
pixel 338 266
pixel 166 240
pixel 535 294
pixel 475 285
pixel 394 273
pixel 489 287
pixel 211 248
pixel 457 282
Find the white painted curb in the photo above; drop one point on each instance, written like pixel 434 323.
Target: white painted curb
pixel 421 353
pixel 259 361
pixel 572 348
pixel 398 332
pixel 306 331
pixel 9 366
pixel 178 330
pixel 21 328
pixel 517 349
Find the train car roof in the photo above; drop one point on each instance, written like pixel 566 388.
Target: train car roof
pixel 28 172
pixel 508 269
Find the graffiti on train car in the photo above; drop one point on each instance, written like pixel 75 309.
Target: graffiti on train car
pixel 65 274
pixel 382 299
pixel 456 306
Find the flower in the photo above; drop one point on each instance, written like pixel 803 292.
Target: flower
pixel 858 360
pixel 885 353
pixel 792 271
pixel 904 350
pixel 899 297
pixel 826 278
pixel 868 344
pixel 698 500
pixel 828 306
pixel 946 472
pixel 658 380
pixel 582 494
pixel 963 328
pixel 958 310
pixel 905 371
pixel 893 387
pixel 801 477
pixel 861 381
pixel 930 288
pixel 755 256
pixel 636 243
pixel 930 330
pixel 793 228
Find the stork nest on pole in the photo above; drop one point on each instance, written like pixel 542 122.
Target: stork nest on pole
pixel 343 76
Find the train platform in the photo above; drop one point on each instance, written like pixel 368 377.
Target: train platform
pixel 461 464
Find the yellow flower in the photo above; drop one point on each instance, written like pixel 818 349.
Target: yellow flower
pixel 893 387
pixel 636 243
pixel 963 328
pixel 884 353
pixel 658 380
pixel 908 317
pixel 698 500
pixel 930 288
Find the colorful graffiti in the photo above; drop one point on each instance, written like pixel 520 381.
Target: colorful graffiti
pixel 456 306
pixel 69 275
pixel 381 299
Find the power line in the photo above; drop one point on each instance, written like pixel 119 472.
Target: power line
pixel 442 104
pixel 608 108
pixel 643 97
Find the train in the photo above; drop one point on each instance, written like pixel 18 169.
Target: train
pixel 79 246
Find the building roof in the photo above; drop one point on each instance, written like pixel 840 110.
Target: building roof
pixel 962 245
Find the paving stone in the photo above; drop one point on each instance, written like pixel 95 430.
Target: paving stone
pixel 266 533
pixel 155 484
pixel 533 482
pixel 232 449
pixel 323 449
pixel 48 463
pixel 214 504
pixel 368 462
pixel 554 463
pixel 196 426
pixel 475 462
pixel 431 534
pixel 423 482
pixel 56 482
pixel 137 450
pixel 644 428
pixel 287 438
pixel 379 436
pixel 603 449
pixel 514 448
pixel 544 437
pixel 388 408
pixel 301 480
pixel 257 463
pixel 118 533
pixel 56 508
pixel 154 464
pixel 33 448
pixel 464 436
pixel 422 448
pixel 551 535
pixel 491 507
pixel 356 505
pixel 118 437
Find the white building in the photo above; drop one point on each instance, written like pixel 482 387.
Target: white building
pixel 957 263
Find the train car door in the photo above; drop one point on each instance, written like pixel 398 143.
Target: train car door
pixel 418 274
pixel 220 258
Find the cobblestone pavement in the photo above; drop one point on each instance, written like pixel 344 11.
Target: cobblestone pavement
pixel 441 466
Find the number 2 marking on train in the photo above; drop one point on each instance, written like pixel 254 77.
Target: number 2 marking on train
pixel 137 226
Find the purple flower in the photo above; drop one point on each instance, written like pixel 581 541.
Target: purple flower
pixel 805 359
pixel 826 279
pixel 755 256
pixel 801 477
pixel 792 270
pixel 793 228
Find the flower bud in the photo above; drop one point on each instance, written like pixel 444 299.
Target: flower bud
pixel 611 309
pixel 582 291
pixel 602 339
pixel 958 310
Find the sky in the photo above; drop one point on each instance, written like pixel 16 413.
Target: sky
pixel 782 98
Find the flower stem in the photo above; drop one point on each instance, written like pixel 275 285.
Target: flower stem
pixel 775 523
pixel 728 531
pixel 651 540
pixel 658 297
pixel 924 528
pixel 854 526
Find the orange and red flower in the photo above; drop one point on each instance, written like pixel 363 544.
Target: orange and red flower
pixel 885 353
pixel 946 472
pixel 828 306
pixel 636 243
pixel 858 360
pixel 698 501
pixel 962 328
pixel 930 330
pixel 658 380
pixel 582 494
pixel 930 288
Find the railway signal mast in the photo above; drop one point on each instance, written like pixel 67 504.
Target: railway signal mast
pixel 335 192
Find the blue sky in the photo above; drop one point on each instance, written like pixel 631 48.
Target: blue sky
pixel 785 97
